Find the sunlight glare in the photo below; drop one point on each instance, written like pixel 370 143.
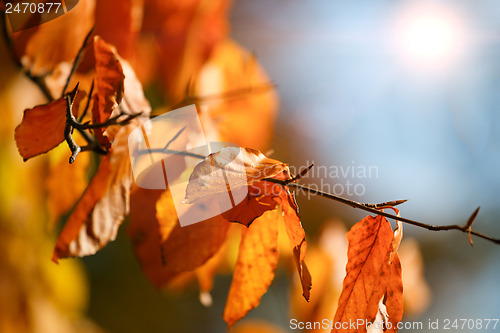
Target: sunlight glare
pixel 430 38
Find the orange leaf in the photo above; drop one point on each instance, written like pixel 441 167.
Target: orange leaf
pixel 186 32
pixel 103 206
pixel 394 296
pixel 43 47
pixel 42 127
pixel 417 294
pixel 118 22
pixel 254 270
pixel 367 273
pixel 246 117
pixel 163 247
pixel 231 166
pixel 260 199
pixel 60 199
pixel 297 238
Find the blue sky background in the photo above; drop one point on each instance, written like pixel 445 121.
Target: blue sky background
pixel 348 95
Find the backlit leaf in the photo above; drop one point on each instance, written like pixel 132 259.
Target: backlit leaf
pixel 235 166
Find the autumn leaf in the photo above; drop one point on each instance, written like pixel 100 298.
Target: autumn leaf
pixel 367 271
pixel 42 127
pixel 254 270
pixel 164 248
pixel 247 167
pixel 231 166
pixel 119 22
pixel 109 85
pixel 43 47
pixel 60 199
pixel 260 199
pixel 372 288
pixel 246 116
pixel 297 238
pixel 417 295
pixel 186 33
pixel 104 204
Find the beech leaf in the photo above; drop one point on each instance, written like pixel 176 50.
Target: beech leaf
pixel 254 270
pixel 297 238
pixel 42 127
pixel 231 166
pixel 109 84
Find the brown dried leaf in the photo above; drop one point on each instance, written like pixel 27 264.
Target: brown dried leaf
pixel 254 271
pixel 417 295
pixel 394 295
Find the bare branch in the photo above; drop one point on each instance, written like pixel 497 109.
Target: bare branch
pixel 375 210
pixel 68 129
pixel 77 60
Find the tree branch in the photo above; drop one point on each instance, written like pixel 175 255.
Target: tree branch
pixel 374 208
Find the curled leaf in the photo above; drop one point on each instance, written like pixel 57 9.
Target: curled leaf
pixel 109 85
pixel 297 238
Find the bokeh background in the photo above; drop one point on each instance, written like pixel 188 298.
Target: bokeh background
pixel 409 87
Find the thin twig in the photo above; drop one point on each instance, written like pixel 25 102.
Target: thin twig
pixel 369 208
pixel 68 129
pixel 188 100
pixel 107 123
pixel 175 137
